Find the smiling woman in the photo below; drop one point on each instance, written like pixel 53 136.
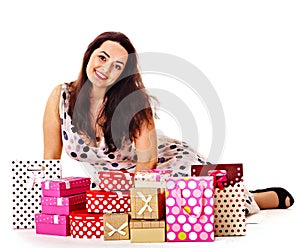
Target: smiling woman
pixel 104 119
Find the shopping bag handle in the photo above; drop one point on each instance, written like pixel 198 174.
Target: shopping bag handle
pixel 178 196
pixel 221 174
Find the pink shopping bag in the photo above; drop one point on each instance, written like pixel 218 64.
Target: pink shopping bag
pixel 190 209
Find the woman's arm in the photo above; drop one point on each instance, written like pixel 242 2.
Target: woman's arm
pixel 146 147
pixel 52 126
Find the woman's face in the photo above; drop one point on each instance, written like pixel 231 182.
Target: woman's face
pixel 106 64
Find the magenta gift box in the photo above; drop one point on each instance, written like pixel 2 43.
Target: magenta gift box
pixel 62 205
pixel 65 186
pixel 52 224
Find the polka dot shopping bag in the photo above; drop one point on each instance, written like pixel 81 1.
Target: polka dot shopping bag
pixel 26 189
pixel 190 209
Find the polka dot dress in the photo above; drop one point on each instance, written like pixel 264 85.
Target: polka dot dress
pixel 172 154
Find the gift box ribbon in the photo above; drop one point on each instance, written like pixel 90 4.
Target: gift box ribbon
pixel 146 201
pixel 219 177
pixel 35 177
pixel 119 230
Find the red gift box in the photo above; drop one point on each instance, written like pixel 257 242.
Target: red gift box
pixel 115 180
pixel 52 224
pixel 85 225
pixel 65 186
pixel 62 205
pixel 107 202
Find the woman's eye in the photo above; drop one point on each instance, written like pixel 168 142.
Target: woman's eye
pixel 101 57
pixel 118 67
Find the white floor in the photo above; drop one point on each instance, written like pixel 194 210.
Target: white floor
pixel 273 228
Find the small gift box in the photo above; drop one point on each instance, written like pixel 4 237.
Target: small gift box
pixel 65 186
pixel 147 203
pixel 116 226
pixel 115 180
pixel 85 225
pixel 52 224
pixel 190 209
pixel 151 178
pixel 104 202
pixel 63 205
pixel 146 231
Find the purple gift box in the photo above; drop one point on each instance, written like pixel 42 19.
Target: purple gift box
pixel 52 224
pixel 65 186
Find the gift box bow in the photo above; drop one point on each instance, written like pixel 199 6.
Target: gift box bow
pixel 146 201
pixel 119 230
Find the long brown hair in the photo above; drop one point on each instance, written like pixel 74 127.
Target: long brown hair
pixel 121 124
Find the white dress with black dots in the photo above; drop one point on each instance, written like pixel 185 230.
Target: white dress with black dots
pixel 172 154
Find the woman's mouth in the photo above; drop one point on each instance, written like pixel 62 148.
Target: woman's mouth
pixel 100 75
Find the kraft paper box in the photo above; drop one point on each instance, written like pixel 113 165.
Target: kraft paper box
pixel 26 188
pixel 104 202
pixel 190 209
pixel 52 224
pixel 65 186
pixel 147 203
pixel 63 205
pixel 146 231
pixel 151 178
pixel 85 225
pixel 229 197
pixel 115 180
pixel 116 226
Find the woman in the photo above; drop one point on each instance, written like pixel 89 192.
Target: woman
pixel 105 120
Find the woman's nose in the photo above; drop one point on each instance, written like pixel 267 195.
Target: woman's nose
pixel 106 67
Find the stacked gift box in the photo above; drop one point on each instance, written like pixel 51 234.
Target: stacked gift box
pixel 147 223
pixel 59 198
pixel 112 200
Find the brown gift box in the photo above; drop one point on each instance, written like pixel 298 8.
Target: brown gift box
pixel 144 231
pixel 147 203
pixel 116 226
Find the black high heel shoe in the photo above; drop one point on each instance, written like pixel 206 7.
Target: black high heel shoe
pixel 282 194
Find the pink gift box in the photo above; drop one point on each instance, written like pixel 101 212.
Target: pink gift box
pixel 65 186
pixel 190 209
pixel 62 205
pixel 115 180
pixel 107 202
pixel 52 224
pixel 154 178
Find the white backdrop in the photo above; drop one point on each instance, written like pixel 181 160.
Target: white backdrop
pixel 249 51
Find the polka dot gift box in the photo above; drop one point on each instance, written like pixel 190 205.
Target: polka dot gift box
pixel 103 202
pixel 115 180
pixel 190 209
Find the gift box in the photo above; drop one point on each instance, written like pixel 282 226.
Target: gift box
pixel 151 178
pixel 116 226
pixel 229 197
pixel 115 180
pixel 26 188
pixel 65 186
pixel 63 205
pixel 147 203
pixel 104 202
pixel 52 224
pixel 85 225
pixel 147 231
pixel 190 209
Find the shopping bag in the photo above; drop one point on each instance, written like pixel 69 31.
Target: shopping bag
pixel 190 209
pixel 229 197
pixel 26 189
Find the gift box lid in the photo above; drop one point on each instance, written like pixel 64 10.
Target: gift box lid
pixel 51 219
pixel 107 194
pixel 144 224
pixel 84 215
pixel 63 201
pixel 116 174
pixel 152 175
pixel 65 183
